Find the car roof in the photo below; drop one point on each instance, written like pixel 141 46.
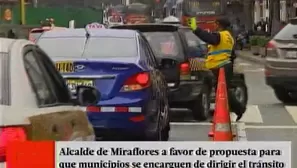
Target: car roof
pixel 91 32
pixel 112 33
pixel 143 25
pixel 66 33
pixel 5 44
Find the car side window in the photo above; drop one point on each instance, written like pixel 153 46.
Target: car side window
pixel 146 52
pixel 58 83
pixel 141 47
pixel 39 83
pixel 48 85
pixel 151 55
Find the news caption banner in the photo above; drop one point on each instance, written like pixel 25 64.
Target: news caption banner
pixel 173 154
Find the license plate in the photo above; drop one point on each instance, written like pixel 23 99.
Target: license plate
pixel 72 84
pixel 197 64
pixel 291 55
pixel 65 66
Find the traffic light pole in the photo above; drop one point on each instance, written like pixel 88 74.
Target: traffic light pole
pixel 22 12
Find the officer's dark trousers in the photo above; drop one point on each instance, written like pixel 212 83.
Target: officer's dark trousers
pixel 234 104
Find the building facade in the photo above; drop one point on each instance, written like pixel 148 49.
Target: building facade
pixel 287 9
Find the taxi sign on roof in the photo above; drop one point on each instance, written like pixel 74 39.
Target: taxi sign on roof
pixel 95 26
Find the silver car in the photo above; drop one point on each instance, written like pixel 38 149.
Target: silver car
pixel 281 63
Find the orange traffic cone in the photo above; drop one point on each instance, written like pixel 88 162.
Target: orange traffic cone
pixel 222 122
pixel 212 128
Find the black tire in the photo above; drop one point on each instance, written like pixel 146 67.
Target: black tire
pixel 153 131
pixel 200 106
pixel 283 95
pixel 159 134
pixel 241 93
pixel 165 133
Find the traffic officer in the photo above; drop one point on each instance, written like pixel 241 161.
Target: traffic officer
pixel 221 44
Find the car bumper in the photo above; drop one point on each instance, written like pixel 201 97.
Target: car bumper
pixel 186 91
pixel 116 120
pixel 131 120
pixel 281 78
pixel 118 134
pixel 286 82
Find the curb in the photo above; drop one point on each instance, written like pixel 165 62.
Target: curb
pixel 251 58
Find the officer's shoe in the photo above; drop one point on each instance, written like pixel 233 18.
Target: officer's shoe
pixel 240 113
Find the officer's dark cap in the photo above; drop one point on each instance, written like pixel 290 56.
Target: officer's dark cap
pixel 223 22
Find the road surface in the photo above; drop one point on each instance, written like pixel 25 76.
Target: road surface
pixel 266 118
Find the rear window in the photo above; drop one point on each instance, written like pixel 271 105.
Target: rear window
pixel 111 47
pixel 287 33
pixel 164 43
pixel 193 40
pixel 93 48
pixel 62 47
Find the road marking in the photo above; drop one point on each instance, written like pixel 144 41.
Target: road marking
pixel 179 109
pixel 241 133
pixel 193 123
pixel 251 115
pixel 189 123
pixel 212 106
pixel 244 64
pixel 292 110
pixel 270 126
pixel 255 70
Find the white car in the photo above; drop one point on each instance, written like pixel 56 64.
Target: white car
pixel 35 102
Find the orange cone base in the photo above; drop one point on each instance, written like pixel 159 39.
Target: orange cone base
pixel 223 136
pixel 210 134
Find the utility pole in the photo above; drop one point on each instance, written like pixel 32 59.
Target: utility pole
pixel 248 7
pixel 274 12
pixel 23 12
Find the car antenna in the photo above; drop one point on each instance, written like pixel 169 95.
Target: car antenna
pixel 86 42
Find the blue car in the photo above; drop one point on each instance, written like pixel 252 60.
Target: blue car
pixel 122 66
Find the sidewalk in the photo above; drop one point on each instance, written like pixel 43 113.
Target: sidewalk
pixel 247 55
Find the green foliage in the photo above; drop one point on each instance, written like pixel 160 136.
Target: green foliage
pixel 262 41
pixel 254 40
pixel 61 15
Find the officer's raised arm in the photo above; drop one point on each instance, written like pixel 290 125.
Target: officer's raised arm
pixel 210 38
pixel 213 38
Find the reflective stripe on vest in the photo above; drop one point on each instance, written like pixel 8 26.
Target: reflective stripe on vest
pixel 220 52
